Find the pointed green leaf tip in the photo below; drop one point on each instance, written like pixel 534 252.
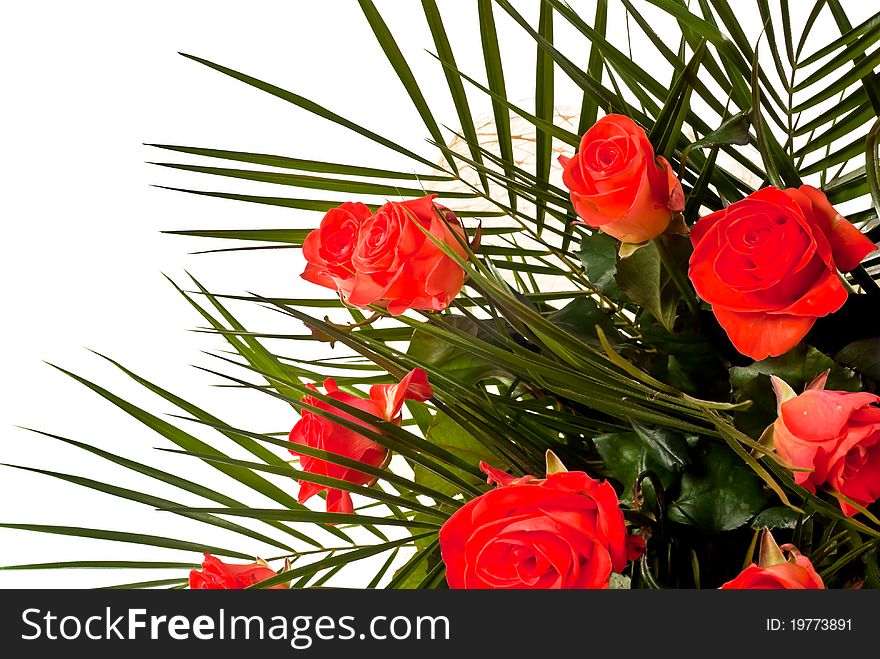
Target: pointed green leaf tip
pixel 770 554
pixel 783 392
pixel 554 464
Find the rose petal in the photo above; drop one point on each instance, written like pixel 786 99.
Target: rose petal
pixel 849 245
pixel 819 415
pixel 389 398
pixel 674 189
pixel 762 335
pixel 339 502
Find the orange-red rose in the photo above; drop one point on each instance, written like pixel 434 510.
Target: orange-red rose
pixel 565 531
pixel 797 573
pixel 617 184
pixel 329 248
pixel 315 431
pixel 385 258
pixel 768 266
pixel 217 575
pixel 835 435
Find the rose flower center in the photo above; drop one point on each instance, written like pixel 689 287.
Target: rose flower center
pixel 606 156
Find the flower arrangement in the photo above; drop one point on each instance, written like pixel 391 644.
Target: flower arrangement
pixel 629 381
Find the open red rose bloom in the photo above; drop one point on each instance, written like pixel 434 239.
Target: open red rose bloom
pixel 217 575
pixel 618 186
pixel 315 431
pixel 565 531
pixel 388 258
pixel 769 265
pixel 835 437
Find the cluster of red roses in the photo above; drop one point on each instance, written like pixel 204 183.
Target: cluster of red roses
pixel 768 265
pixel 389 258
pixel 563 531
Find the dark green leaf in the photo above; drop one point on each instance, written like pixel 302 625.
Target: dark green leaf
pixel 733 130
pixel 645 282
pixel 103 565
pixel 862 355
pixel 413 572
pixel 687 360
pixel 598 253
pixel 453 361
pixel 341 558
pixel 669 449
pixel 780 517
pixel 155 583
pixel 626 456
pixel 872 163
pixel 797 367
pixel 155 502
pixel 346 186
pixel 718 491
pixel 134 538
pixel 544 107
pixel 310 516
pixel 846 39
pixel 288 236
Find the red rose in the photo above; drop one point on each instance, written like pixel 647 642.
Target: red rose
pixel 565 531
pixel 836 436
pixel 328 249
pixel 217 575
pixel 386 259
pixel 768 266
pixel 318 432
pixel 618 186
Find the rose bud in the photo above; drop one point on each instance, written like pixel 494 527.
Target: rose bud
pixel 834 436
pixel 217 575
pixel 774 572
pixel 315 431
pixel 387 258
pixel 617 184
pixel 768 266
pixel 564 531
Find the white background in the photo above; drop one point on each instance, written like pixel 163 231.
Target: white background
pixel 84 85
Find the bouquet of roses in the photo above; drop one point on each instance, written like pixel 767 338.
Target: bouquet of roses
pixel 657 372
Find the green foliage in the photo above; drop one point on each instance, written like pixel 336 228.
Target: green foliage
pixel 780 517
pixel 469 369
pixel 627 455
pixel 862 355
pixel 645 282
pixel 581 317
pixel 444 432
pixel 598 254
pixel 718 492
